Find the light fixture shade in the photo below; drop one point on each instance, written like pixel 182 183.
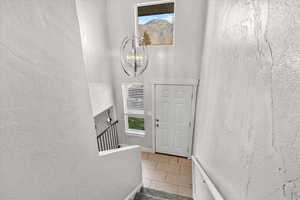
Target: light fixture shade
pixel 134 56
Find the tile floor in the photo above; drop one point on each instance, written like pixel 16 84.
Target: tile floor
pixel 167 173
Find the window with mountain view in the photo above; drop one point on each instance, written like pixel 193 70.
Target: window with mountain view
pixel 155 23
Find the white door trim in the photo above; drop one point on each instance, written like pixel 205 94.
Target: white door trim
pixel 187 82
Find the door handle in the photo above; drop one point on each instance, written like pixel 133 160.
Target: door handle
pixel 157 125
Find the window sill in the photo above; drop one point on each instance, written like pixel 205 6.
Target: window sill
pixel 135 133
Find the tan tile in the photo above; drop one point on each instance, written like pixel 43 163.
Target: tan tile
pixel 167 159
pixel 185 162
pixel 162 160
pixel 159 155
pixel 152 157
pixel 167 173
pixel 179 180
pixel 185 191
pixel 171 188
pixel 173 160
pixel 149 164
pixel 144 156
pixel 146 182
pixel 154 175
pixel 186 170
pixel 168 168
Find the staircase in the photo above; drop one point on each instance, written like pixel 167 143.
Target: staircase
pixel 108 138
pixel 150 194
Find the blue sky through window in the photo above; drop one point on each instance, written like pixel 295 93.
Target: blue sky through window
pixel 145 19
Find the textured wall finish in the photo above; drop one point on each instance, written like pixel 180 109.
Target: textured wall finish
pixel 92 16
pixel 248 120
pixel 47 140
pixel 101 97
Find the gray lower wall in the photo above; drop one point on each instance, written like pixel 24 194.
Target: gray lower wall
pixel 248 118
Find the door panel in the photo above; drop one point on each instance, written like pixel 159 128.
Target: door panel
pixel 173 107
pixel 163 139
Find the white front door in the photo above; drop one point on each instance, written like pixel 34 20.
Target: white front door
pixel 173 113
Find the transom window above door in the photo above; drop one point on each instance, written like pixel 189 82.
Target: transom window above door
pixel 133 100
pixel 155 22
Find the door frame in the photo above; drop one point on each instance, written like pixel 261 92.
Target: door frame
pixel 186 82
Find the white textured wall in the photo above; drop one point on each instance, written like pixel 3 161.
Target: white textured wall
pixel 101 95
pixel 248 119
pixel 178 62
pixel 92 15
pixel 47 140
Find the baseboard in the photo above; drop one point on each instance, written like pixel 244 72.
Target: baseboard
pixel 195 196
pixel 133 192
pixel 149 150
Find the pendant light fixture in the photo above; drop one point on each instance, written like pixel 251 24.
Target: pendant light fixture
pixel 134 56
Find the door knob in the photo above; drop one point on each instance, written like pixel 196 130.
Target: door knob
pixel 157 125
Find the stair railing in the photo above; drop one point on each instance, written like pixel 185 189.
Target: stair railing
pixel 108 138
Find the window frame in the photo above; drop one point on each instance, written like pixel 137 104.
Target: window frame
pixel 137 5
pixel 132 113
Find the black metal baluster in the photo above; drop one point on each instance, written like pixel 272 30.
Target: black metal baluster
pixel 101 142
pixel 98 144
pixel 105 142
pixel 112 133
pixel 110 138
pixel 107 139
pixel 115 136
